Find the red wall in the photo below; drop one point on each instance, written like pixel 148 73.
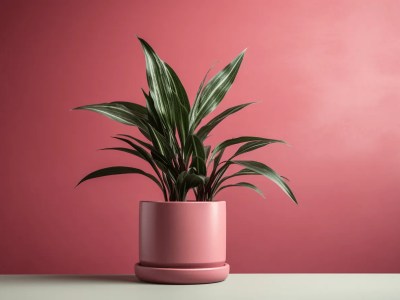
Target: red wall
pixel 326 75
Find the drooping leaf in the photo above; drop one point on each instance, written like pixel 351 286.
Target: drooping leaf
pixel 123 112
pixel 160 160
pixel 242 172
pixel 250 146
pixel 206 129
pixel 266 171
pixel 214 92
pixel 242 139
pixel 283 177
pixel 146 145
pixel 117 170
pixel 242 184
pixel 142 153
pixel 126 150
pixel 138 110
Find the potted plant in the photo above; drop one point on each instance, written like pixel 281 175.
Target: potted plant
pixel 182 241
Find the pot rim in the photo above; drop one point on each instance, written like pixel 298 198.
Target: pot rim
pixel 187 202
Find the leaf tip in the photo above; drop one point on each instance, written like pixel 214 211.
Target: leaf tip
pixel 78 183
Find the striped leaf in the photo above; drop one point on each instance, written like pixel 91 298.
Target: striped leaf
pixel 213 93
pixel 170 98
pixel 266 171
pixel 206 129
pixel 242 139
pixel 242 184
pixel 120 112
pixel 153 117
pixel 161 144
pixel 250 146
pixel 242 172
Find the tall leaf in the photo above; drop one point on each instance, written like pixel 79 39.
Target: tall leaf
pixel 170 98
pixel 214 92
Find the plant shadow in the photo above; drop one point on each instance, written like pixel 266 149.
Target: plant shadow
pixel 129 279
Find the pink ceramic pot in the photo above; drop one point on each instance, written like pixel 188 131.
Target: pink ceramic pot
pixel 182 242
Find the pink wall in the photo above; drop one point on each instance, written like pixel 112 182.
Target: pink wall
pixel 326 73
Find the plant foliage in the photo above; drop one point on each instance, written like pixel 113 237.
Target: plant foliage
pixel 173 142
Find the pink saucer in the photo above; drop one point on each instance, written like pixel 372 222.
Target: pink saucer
pixel 183 275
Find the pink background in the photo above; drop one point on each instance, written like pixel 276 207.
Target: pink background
pixel 326 75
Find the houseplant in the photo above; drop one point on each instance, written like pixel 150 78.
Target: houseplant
pixel 183 241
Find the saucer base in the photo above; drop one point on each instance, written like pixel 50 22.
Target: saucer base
pixel 182 275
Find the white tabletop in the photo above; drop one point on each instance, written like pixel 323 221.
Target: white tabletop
pixel 237 286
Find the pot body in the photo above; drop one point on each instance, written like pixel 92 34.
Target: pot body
pixel 182 234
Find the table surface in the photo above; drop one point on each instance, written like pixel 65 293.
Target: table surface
pixel 237 286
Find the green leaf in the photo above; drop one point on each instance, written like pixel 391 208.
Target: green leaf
pixel 207 150
pixel 206 129
pixel 117 171
pixel 138 110
pixel 214 92
pixel 142 153
pixel 240 140
pixel 126 150
pixel 186 181
pixel 250 146
pixel 170 98
pixel 198 148
pixel 182 123
pixel 199 91
pixel 194 148
pixel 242 172
pixel 160 143
pixel 199 164
pixel 283 177
pixel 266 171
pixel 242 184
pixel 178 89
pixel 146 145
pixel 123 112
pixel 159 159
pixel 153 117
